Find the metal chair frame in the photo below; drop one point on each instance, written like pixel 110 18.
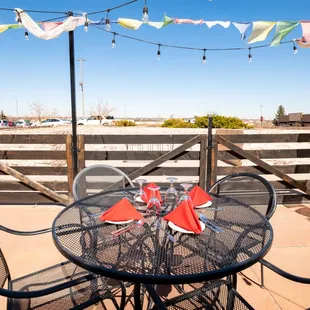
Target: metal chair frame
pixel 11 294
pixel 84 171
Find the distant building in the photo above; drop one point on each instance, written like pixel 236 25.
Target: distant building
pixel 305 120
pixel 294 120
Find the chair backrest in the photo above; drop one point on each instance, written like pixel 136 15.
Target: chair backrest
pixel 98 178
pixel 4 270
pixel 251 189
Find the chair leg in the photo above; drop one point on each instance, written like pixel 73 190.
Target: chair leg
pixel 234 281
pixel 262 284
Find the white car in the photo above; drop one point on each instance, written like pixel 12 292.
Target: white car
pixel 95 120
pixel 53 122
pixel 22 123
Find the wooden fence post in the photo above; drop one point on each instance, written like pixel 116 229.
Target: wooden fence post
pixel 81 152
pixel 214 158
pixel 70 168
pixel 203 162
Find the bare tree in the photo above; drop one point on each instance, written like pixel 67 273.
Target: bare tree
pixel 38 110
pixel 100 109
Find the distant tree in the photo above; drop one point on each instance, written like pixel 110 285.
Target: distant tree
pixel 100 109
pixel 2 115
pixel 280 112
pixel 38 110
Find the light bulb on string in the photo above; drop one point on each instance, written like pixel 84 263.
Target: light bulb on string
pixel 107 24
pixel 250 55
pixel 145 16
pixel 113 41
pixel 86 24
pixel 295 49
pixel 26 35
pixel 158 52
pixel 204 58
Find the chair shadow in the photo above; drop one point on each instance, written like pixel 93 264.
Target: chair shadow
pixel 249 282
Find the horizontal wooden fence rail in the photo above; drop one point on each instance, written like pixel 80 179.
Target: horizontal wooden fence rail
pixel 47 159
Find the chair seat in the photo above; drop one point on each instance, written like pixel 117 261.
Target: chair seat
pixel 89 292
pixel 214 295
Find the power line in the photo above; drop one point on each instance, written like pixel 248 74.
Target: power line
pixel 113 8
pixel 186 47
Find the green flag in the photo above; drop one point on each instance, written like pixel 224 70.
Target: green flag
pixel 282 30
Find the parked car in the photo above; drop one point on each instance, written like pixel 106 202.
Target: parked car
pixel 11 124
pixel 23 123
pixel 95 120
pixel 3 123
pixel 54 122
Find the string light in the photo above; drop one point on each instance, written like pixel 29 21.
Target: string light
pixel 204 58
pixel 158 52
pixel 145 16
pixel 250 55
pixel 295 48
pixel 113 41
pixel 107 22
pixel 26 35
pixel 86 24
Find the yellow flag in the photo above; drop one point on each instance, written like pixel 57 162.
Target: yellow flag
pixel 129 23
pixel 260 31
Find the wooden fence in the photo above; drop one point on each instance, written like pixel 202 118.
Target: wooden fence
pixel 47 160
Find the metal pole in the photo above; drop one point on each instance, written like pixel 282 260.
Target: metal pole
pixel 209 155
pixel 17 110
pixel 73 101
pixel 82 84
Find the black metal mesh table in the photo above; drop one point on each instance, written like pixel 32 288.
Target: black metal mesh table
pixel 146 254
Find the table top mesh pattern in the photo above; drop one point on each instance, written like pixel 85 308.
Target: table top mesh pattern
pixel 147 251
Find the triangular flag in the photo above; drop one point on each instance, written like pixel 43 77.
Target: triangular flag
pixel 303 44
pixel 282 30
pixel 243 28
pixel 9 26
pixel 132 24
pixel 214 23
pixel 188 21
pixel 167 20
pixel 260 31
pixel 305 24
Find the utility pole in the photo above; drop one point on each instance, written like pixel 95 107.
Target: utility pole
pixel 81 60
pixel 17 110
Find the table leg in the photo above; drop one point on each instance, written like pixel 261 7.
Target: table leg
pixel 137 294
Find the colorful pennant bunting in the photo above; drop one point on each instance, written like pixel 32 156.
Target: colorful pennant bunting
pixel 260 31
pixel 282 30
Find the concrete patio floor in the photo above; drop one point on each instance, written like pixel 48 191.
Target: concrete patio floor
pixel 290 251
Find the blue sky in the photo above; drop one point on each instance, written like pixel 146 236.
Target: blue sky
pixel 132 81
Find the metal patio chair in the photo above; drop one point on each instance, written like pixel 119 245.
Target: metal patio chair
pixel 210 296
pixel 62 286
pixel 97 178
pixel 253 189
pixel 249 188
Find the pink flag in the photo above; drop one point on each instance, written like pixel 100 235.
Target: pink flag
pixel 50 25
pixel 188 21
pixel 305 24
